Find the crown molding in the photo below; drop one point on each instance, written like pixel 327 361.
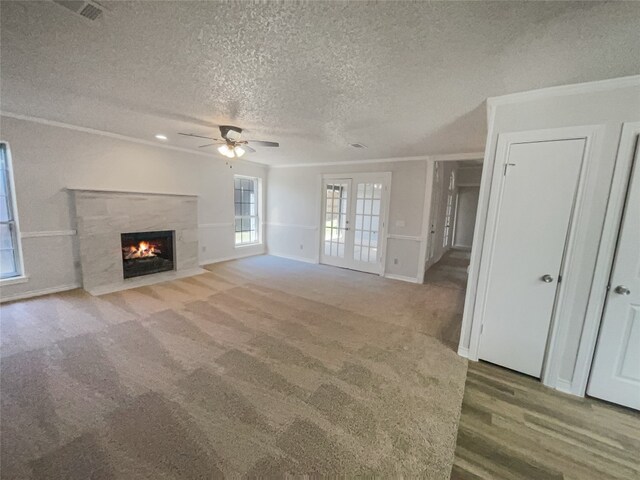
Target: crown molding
pixel 117 136
pixel 448 157
pixel 53 123
pixel 560 90
pixel 354 162
pixel 457 157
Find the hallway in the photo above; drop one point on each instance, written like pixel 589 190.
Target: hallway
pixel 450 270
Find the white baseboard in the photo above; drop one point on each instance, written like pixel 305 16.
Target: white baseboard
pixel 402 278
pixel 463 352
pixel 211 261
pixel 37 293
pixel 564 386
pixel 292 257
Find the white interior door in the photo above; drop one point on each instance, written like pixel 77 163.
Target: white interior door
pixel 615 374
pixel 337 238
pixel 538 192
pixel 354 211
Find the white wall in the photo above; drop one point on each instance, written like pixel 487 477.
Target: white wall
pixel 293 203
pixel 467 206
pixel 468 175
pixel 605 106
pixel 468 179
pixel 47 159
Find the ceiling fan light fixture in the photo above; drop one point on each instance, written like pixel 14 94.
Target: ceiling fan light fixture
pixel 226 151
pixel 239 151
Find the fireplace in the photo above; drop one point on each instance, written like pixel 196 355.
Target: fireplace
pixel 144 253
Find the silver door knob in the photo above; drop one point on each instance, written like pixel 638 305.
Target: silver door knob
pixel 622 290
pixel 547 278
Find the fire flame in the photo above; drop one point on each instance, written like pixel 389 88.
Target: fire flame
pixel 143 250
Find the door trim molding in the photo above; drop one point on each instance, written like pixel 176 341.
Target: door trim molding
pixel 558 332
pixel 426 221
pixel 474 318
pixel 604 259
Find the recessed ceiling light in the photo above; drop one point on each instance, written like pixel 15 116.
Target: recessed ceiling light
pixel 161 137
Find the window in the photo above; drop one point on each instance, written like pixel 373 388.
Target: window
pixel 10 263
pixel 246 194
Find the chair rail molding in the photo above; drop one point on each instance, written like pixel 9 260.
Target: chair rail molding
pixel 48 233
pixel 291 225
pixel 411 238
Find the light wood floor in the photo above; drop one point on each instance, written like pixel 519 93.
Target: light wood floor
pixel 512 427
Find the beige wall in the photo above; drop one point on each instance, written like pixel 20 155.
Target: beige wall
pixel 467 206
pixel 49 159
pixel 293 203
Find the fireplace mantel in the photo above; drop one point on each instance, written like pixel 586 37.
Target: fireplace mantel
pixel 103 215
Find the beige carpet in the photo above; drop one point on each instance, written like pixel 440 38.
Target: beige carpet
pixel 262 367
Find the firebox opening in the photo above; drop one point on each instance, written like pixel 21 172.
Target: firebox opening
pixel 144 253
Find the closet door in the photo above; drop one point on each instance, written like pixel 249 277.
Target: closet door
pixel 615 374
pixel 538 190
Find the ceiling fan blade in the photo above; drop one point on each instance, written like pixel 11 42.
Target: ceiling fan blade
pixel 263 143
pixel 197 136
pixel 209 144
pixel 248 148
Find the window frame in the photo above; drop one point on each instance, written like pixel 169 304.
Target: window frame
pixel 13 221
pixel 258 215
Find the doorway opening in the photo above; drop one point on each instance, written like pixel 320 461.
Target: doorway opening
pixel 454 202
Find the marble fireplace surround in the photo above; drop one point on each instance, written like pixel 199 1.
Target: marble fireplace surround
pixel 103 215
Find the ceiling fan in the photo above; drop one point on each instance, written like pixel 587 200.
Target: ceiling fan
pixel 231 145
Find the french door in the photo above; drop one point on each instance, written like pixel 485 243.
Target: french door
pixel 353 224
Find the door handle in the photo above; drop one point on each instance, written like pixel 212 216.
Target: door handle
pixel 622 290
pixel 547 278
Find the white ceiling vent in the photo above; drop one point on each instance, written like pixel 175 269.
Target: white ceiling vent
pixel 84 8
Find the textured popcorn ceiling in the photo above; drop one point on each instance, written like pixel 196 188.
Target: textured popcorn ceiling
pixel 403 78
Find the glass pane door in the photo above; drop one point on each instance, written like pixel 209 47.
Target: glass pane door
pixel 352 227
pixel 335 218
pixel 367 221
